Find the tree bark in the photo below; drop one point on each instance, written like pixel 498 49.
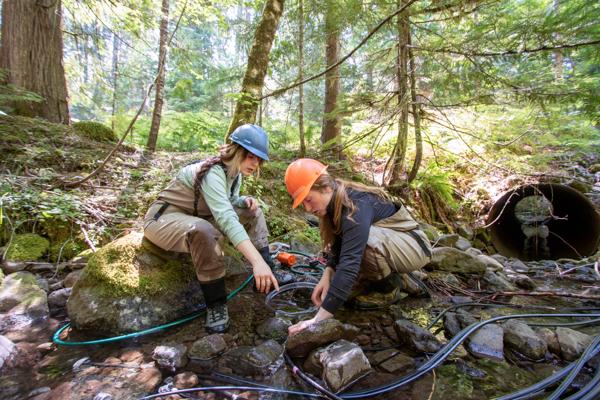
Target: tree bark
pixel 301 77
pixel 258 63
pixel 331 132
pixel 32 55
pixel 403 96
pixel 416 110
pixel 160 78
pixel 115 78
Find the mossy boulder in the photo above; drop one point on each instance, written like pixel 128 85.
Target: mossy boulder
pixel 22 301
pixel 27 247
pixel 95 131
pixel 130 285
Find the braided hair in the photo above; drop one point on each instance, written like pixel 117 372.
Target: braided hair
pixel 230 157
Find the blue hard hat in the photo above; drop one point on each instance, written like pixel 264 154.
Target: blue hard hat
pixel 253 138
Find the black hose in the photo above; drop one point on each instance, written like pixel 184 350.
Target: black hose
pixel 223 388
pixel 298 372
pixel 594 383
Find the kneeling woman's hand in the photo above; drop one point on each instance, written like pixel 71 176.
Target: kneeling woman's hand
pixel 263 276
pixel 300 326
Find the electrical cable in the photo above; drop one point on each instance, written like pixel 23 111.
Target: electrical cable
pixel 56 338
pixel 223 388
pixel 298 372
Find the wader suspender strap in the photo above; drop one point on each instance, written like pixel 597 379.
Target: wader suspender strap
pixel 421 243
pixel 160 211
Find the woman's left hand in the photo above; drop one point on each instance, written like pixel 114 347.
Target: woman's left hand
pixel 300 326
pixel 251 203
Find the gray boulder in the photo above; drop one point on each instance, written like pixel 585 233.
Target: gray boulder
pixel 572 343
pixel 22 301
pixel 7 350
pixel 416 337
pixel 316 335
pixel 343 363
pixel 487 342
pixel 453 260
pixel 262 360
pixel 130 285
pixel 519 336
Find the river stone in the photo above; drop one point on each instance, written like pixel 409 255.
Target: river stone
pixel 463 244
pixel 22 301
pixel 172 356
pixel 7 350
pixel 487 342
pixel 416 337
pixel 208 347
pixel 399 363
pixel 548 336
pixel 72 278
pixel 430 231
pixel 453 260
pixel 497 282
pixel 316 335
pixel 447 240
pixel 58 298
pixel 491 263
pixel 129 286
pixel 259 360
pixel 522 281
pixel 274 328
pixel 572 343
pixel 519 336
pixel 343 363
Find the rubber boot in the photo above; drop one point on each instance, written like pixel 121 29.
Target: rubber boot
pixel 217 315
pixel 379 294
pixel 283 278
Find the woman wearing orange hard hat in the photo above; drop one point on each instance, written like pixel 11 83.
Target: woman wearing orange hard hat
pixel 372 241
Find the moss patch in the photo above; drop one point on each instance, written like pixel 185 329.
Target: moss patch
pixel 95 131
pixel 124 267
pixel 27 247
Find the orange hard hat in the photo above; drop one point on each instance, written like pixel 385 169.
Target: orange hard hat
pixel 300 176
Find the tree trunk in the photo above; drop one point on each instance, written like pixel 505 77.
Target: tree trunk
pixel 32 55
pixel 115 78
pixel 331 132
pixel 558 54
pixel 403 96
pixel 301 77
pixel 160 78
pixel 416 110
pixel 258 63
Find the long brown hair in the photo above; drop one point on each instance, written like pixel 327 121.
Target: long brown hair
pixel 230 158
pixel 331 225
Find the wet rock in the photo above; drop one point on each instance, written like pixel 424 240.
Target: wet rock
pixel 487 342
pixel 400 363
pixel 245 360
pixel 7 350
pixel 103 396
pixel 274 328
pixel 522 338
pixel 572 343
pixel 22 301
pixel 500 258
pixel 128 286
pixel 473 251
pixel 430 231
pixel 465 231
pixel 185 380
pixel 351 332
pixel 38 392
pixel 517 265
pixel 10 267
pixel 416 337
pixel 381 356
pixel 208 347
pixel 491 263
pixel 522 281
pixel 451 325
pixel 316 335
pixel 453 260
pixel 469 370
pixel 548 336
pixel 72 278
pixel 171 357
pixel 132 356
pixel 497 282
pixel 43 283
pixel 462 244
pixel 447 240
pixel 343 363
pixel 58 298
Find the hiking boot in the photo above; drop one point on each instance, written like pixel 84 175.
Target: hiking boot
pixel 217 318
pixel 375 300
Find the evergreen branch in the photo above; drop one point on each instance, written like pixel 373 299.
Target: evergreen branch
pixel 343 59
pixel 509 52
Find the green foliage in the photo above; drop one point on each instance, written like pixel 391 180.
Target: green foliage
pixel 434 179
pixel 187 131
pixel 27 247
pixel 95 131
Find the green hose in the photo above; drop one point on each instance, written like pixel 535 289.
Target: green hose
pixel 56 338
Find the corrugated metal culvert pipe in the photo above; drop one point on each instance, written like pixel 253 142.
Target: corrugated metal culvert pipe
pixel 544 221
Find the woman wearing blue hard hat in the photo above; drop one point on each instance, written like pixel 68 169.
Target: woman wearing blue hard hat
pixel 202 205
